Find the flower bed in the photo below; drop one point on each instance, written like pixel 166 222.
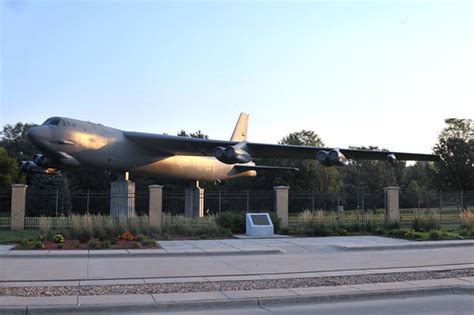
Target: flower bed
pixel 126 240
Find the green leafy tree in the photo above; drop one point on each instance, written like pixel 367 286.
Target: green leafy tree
pixel 15 140
pixel 369 175
pixel 455 148
pixel 9 171
pixel 312 175
pixel 197 134
pixel 48 194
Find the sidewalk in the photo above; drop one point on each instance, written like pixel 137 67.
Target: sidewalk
pixel 224 273
pixel 248 247
pixel 223 299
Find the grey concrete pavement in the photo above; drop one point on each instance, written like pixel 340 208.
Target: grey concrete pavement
pixel 278 301
pixel 432 305
pixel 301 255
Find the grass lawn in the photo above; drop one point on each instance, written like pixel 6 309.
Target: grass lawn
pixel 15 237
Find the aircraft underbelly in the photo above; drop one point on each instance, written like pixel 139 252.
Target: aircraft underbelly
pixel 192 167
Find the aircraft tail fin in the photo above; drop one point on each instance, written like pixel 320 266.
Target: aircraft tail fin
pixel 240 130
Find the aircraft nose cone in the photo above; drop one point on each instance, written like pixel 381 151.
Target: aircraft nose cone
pixel 39 135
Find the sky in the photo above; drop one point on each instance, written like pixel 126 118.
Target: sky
pixel 358 73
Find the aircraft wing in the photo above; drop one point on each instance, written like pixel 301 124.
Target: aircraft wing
pixel 174 145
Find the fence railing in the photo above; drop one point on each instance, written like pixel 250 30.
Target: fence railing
pixel 356 207
pixel 5 202
pixel 300 201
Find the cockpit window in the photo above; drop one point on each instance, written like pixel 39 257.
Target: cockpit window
pixel 55 121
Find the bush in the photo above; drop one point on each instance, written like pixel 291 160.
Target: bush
pixel 412 234
pixel 127 236
pixel 95 244
pixel 148 243
pixel 233 221
pixel 396 233
pixel 467 220
pixel 276 221
pixel 435 235
pixel 83 236
pixel 58 238
pixel 136 245
pixel 425 222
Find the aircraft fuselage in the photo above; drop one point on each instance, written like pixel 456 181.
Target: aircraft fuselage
pixel 72 142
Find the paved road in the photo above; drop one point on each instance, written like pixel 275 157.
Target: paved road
pixel 432 305
pixel 308 255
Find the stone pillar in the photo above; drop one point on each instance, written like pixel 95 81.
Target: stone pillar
pixel 392 210
pixel 155 205
pixel 194 202
pixel 281 204
pixel 18 203
pixel 122 198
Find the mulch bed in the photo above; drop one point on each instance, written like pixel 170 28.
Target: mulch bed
pixel 75 244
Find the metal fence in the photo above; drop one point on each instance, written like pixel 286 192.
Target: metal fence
pixel 239 201
pixel 55 203
pixel 5 200
pixel 358 207
pixel 303 200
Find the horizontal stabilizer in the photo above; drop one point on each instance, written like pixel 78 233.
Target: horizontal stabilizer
pixel 243 168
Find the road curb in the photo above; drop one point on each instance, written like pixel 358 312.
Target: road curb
pixel 404 246
pixel 62 254
pixel 241 303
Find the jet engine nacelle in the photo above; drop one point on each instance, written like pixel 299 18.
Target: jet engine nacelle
pixel 232 155
pixel 41 160
pixel 32 167
pixel 331 158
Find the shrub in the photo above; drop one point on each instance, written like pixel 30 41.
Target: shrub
pixel 136 245
pixel 44 224
pixel 29 244
pixel 95 244
pixel 233 221
pixel 425 222
pixel 58 238
pixel 148 243
pixel 127 236
pixel 435 235
pixel 276 221
pixel 83 236
pixel 106 244
pixel 467 219
pixel 412 234
pixel 396 233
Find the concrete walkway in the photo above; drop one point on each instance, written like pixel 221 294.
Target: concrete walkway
pixel 234 260
pixel 248 246
pixel 223 299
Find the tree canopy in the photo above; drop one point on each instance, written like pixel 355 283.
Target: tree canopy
pixel 455 148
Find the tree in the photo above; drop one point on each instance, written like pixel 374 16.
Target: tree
pixel 48 194
pixel 197 134
pixel 312 175
pixel 455 148
pixel 9 171
pixel 15 140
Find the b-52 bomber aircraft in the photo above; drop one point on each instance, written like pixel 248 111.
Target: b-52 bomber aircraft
pixel 66 142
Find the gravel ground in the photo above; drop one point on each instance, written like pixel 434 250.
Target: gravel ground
pixel 183 287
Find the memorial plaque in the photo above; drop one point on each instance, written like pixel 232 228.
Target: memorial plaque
pixel 260 219
pixel 259 224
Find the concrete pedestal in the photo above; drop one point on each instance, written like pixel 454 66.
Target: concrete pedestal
pixel 122 199
pixel 392 210
pixel 155 206
pixel 18 203
pixel 281 204
pixel 194 202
